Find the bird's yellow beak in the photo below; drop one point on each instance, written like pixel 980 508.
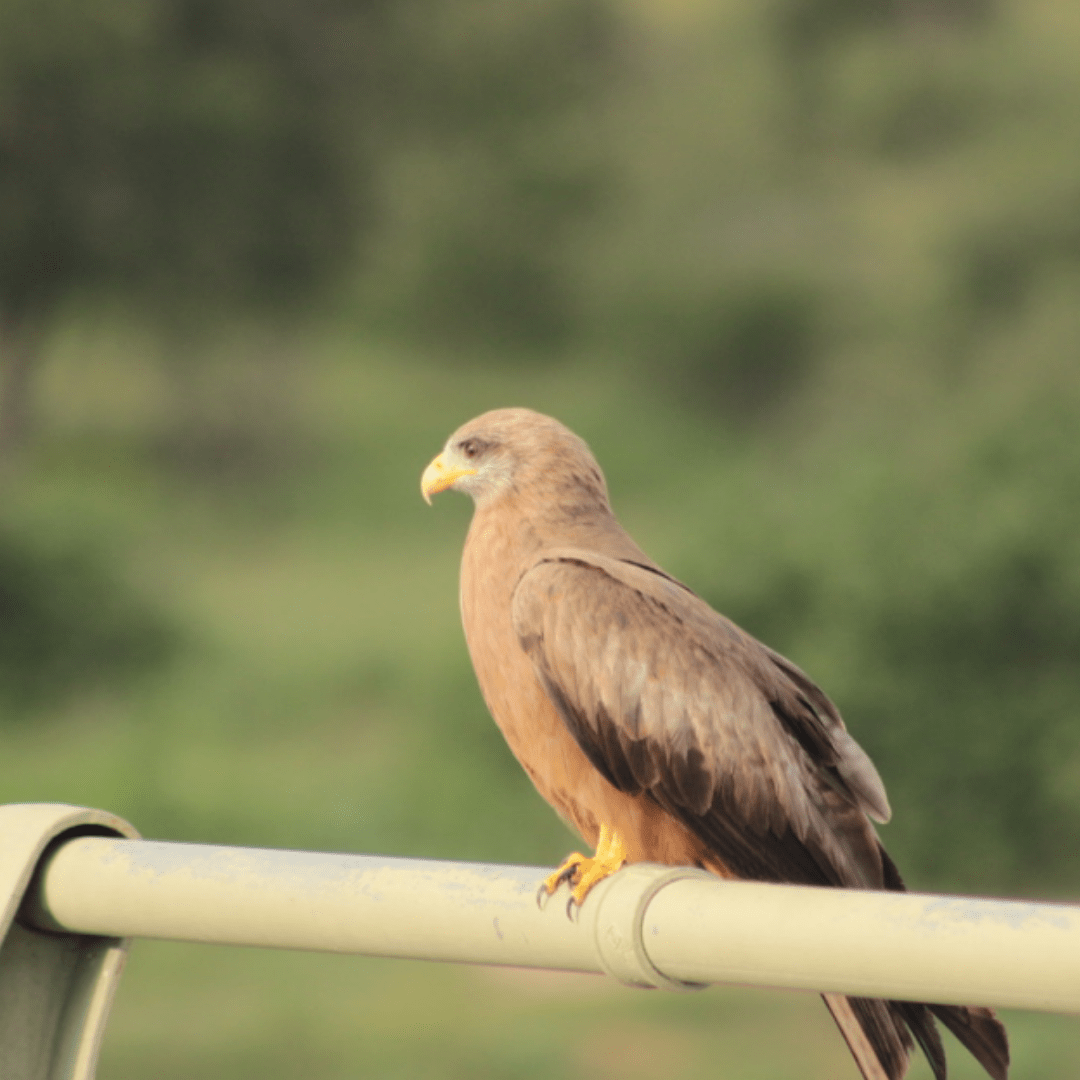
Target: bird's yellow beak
pixel 438 476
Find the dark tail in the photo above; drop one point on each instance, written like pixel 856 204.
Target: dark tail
pixel 981 1032
pixel 880 1035
pixel 880 1046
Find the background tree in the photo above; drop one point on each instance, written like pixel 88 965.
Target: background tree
pixel 194 164
pixel 195 157
pixel 204 159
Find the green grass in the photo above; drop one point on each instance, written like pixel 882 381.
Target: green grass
pixel 323 699
pixel 196 1010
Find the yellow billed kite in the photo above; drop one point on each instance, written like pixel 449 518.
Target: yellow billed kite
pixel 655 726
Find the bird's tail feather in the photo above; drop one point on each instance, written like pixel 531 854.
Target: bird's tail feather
pixel 879 1035
pixel 981 1032
pixel 880 1046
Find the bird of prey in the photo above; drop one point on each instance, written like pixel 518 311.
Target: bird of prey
pixel 656 727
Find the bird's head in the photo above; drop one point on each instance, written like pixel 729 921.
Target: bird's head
pixel 510 449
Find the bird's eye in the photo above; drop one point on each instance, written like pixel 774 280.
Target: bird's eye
pixel 470 448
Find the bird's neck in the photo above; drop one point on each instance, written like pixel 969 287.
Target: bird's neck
pixel 504 539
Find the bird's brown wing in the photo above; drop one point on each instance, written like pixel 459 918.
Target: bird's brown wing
pixel 668 697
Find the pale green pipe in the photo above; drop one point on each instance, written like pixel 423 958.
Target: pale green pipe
pixel 647 925
pixel 365 904
pixel 906 946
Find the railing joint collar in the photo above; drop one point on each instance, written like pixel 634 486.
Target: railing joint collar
pixel 619 923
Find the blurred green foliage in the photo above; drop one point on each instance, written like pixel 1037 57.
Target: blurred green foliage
pixel 804 274
pixel 69 622
pixel 192 154
pixel 947 617
pixel 201 160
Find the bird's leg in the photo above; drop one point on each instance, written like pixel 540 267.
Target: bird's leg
pixel 582 872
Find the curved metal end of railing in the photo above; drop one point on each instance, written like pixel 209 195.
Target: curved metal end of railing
pixel 55 988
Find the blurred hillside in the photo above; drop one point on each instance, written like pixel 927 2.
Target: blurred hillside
pixel 805 274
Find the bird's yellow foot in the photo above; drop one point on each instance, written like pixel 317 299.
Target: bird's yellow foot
pixel 582 872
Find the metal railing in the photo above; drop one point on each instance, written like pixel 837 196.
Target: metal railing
pixel 84 884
